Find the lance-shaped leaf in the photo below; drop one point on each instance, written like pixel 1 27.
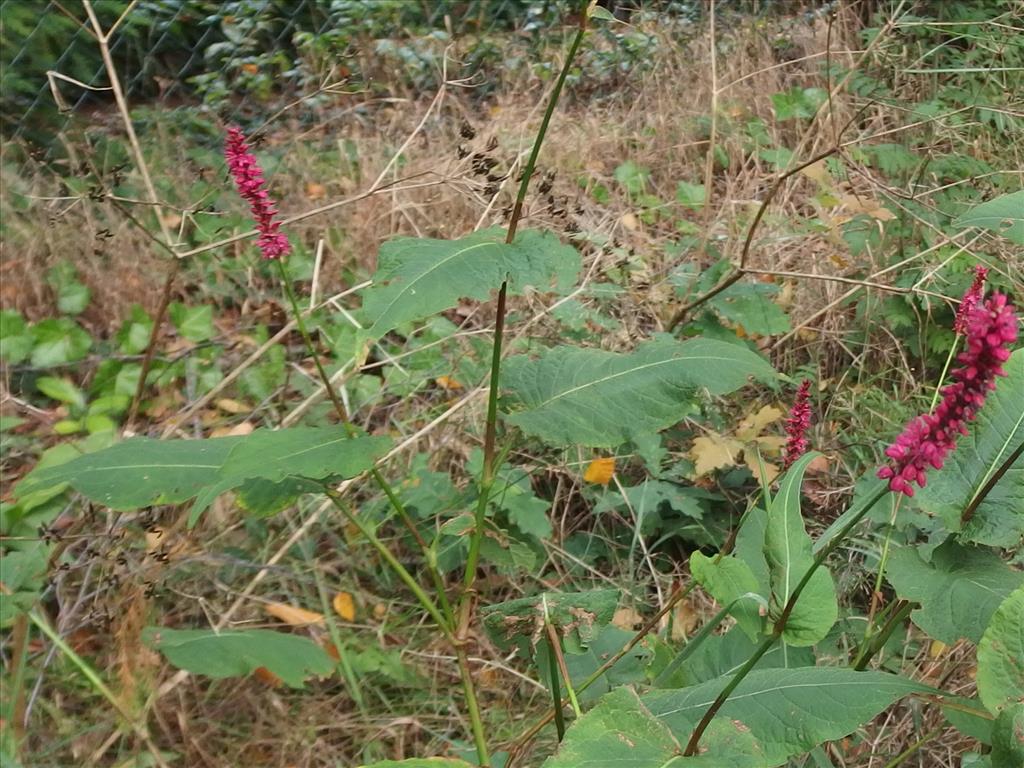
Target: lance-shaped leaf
pixel 1001 656
pixel 591 397
pixel 787 548
pixel 958 590
pixel 233 654
pixel 418 277
pixel 1003 214
pixel 578 617
pixel 786 711
pixel 139 472
pixel 994 435
pixel 313 453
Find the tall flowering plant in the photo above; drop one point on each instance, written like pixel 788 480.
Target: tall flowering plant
pixel 990 328
pixel 251 185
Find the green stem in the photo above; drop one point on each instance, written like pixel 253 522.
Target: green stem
pixel 878 641
pixel 375 473
pixel 556 693
pixel 392 561
pixel 780 624
pixel 347 673
pixel 945 370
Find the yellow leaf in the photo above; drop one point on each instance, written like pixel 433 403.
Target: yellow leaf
pixel 238 430
pixel 447 382
pixel 628 619
pixel 714 452
pixel 228 405
pixel 290 614
pixel 770 470
pixel 754 424
pixel 344 606
pixel 600 471
pixel 867 205
pixel 818 172
pixel 630 222
pixel 936 649
pixel 315 191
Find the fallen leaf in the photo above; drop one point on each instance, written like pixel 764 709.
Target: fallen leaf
pixel 250 69
pixel 380 610
pixel 238 430
pixel 754 424
pixel 818 172
pixel 867 205
pixel 937 648
pixel 818 465
pixel 600 471
pixel 344 606
pixel 228 405
pixel 628 619
pixel 266 676
pixel 714 452
pixel 315 191
pixel 630 222
pixel 684 620
pixel 296 617
pixel 447 382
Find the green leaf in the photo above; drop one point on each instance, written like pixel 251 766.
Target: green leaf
pixel 751 306
pixel 139 472
pixel 263 498
pixel 787 549
pixel 72 296
pixel 969 717
pixel 62 390
pixel 57 341
pixel 133 337
pixel 619 731
pixel 1008 738
pixel 721 655
pixel 421 762
pixel 234 654
pixel 15 339
pixel 193 323
pixel 690 195
pixel 787 711
pixel 632 177
pixel 418 277
pixel 314 453
pixel 628 670
pixel 730 581
pixel 578 616
pixel 993 436
pixel 597 12
pixel 1003 215
pixel 1001 655
pixel 22 573
pixel 595 398
pixel 959 590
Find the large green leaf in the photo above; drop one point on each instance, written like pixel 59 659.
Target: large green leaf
pixel 139 472
pixel 421 762
pixel 958 590
pixel 731 582
pixel 233 654
pixel 720 655
pixel 578 617
pixel 1004 215
pixel 1001 655
pixel 313 453
pixel 418 277
pixel 1008 738
pixel 591 397
pixel 787 711
pixel 787 548
pixel 995 434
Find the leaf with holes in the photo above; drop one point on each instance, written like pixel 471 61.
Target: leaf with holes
pixel 998 430
pixel 959 590
pixel 312 453
pixel 578 617
pixel 418 277
pixel 139 472
pixel 596 398
pixel 787 549
pixel 235 654
pixel 1003 215
pixel 1001 656
pixel 827 702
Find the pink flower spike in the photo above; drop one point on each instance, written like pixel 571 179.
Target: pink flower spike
pixel 990 328
pixel 248 176
pixel 970 300
pixel 796 425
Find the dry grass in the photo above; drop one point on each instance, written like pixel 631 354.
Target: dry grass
pixel 657 119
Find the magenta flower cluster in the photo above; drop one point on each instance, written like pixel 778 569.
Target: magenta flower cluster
pixel 991 328
pixel 970 300
pixel 796 425
pixel 248 176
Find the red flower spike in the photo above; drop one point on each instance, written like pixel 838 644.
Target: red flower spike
pixel 970 300
pixel 991 327
pixel 796 425
pixel 250 183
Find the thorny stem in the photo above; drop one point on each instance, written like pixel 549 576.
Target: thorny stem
pixel 780 624
pixel 491 427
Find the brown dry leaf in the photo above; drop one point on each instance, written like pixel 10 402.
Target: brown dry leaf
pixel 330 649
pixel 315 191
pixel 754 423
pixel 600 471
pixel 818 172
pixel 630 222
pixel 447 382
pixel 238 430
pixel 171 220
pixel 380 610
pixel 714 452
pixel 344 606
pixel 296 617
pixel 684 620
pixel 628 619
pixel 818 465
pixel 266 676
pixel 867 205
pixel 250 69
pixel 228 405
